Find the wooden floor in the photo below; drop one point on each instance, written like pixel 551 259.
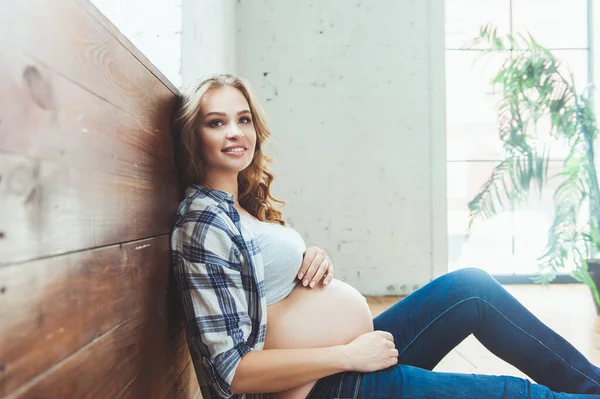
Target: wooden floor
pixel 568 309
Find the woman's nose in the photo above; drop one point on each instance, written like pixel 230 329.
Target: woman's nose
pixel 234 131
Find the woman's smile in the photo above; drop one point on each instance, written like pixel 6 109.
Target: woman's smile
pixel 237 152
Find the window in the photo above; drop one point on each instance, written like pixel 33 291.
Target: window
pixel 510 242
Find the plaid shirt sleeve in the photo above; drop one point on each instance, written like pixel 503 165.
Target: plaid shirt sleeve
pixel 207 267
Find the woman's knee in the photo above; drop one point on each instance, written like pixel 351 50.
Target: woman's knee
pixel 471 275
pixel 466 282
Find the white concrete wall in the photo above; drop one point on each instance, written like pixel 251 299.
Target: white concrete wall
pixel 354 91
pixel 208 38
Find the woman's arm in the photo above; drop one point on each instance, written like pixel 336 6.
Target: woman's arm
pixel 275 370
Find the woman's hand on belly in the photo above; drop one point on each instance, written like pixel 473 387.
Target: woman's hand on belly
pixel 372 351
pixel 316 265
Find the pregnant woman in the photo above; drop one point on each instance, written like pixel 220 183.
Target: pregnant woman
pixel 264 315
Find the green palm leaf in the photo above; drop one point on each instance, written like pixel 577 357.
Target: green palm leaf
pixel 534 87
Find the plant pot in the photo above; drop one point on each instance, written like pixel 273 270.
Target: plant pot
pixel 594 272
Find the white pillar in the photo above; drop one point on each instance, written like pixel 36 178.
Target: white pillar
pixel 207 38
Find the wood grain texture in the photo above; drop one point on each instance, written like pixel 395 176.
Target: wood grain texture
pixel 125 42
pixel 46 116
pixel 50 209
pixel 186 386
pixel 103 368
pixel 54 307
pixel 85 144
pixel 70 40
pixel 88 192
pixel 163 373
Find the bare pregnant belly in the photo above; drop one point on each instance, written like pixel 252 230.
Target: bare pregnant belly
pixel 314 318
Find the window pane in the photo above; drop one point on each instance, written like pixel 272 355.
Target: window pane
pixel 510 242
pixel 553 23
pixel 465 17
pixel 471 111
pixel 489 245
pixel 532 221
pixel 577 62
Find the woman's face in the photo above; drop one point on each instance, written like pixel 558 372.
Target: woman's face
pixel 226 124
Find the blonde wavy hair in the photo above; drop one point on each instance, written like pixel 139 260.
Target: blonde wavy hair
pixel 254 182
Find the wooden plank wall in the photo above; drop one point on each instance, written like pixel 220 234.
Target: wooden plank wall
pixel 88 191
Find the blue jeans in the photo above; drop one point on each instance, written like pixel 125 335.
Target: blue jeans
pixel 433 320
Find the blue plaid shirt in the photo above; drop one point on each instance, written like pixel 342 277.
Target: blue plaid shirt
pixel 219 271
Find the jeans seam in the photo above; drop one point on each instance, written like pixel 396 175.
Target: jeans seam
pixel 340 386
pixel 507 319
pixel 357 387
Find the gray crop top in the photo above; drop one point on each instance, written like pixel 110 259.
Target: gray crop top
pixel 282 249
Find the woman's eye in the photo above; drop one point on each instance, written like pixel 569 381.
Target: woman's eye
pixel 245 119
pixel 215 123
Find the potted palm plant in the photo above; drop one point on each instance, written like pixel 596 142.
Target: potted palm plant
pixel 536 89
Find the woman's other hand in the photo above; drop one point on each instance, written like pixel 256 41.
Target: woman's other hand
pixel 372 351
pixel 315 266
